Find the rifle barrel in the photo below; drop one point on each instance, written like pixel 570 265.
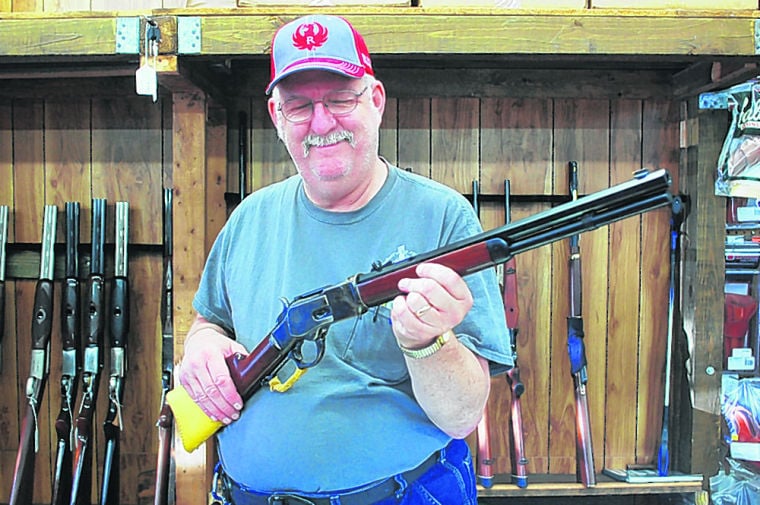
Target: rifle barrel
pixel 3 242
pixel 22 490
pixel 70 362
pixel 92 359
pixel 577 353
pixel 118 335
pixel 164 486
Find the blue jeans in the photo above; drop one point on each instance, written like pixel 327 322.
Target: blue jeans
pixel 450 482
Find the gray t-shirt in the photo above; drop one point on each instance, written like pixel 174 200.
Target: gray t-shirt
pixel 352 419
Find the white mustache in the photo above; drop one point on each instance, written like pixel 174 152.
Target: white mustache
pixel 326 140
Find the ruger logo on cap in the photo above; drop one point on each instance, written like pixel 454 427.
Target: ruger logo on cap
pixel 318 42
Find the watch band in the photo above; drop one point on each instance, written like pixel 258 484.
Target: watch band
pixel 428 350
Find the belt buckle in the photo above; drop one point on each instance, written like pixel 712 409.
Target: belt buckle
pixel 288 499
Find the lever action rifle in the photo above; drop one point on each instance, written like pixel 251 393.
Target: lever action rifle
pixel 164 493
pixel 118 332
pixel 517 388
pixel 22 490
pixel 71 361
pixel 3 241
pixel 584 453
pixel 308 317
pixel 81 481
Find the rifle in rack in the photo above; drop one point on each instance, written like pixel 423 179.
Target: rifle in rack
pixel 22 490
pixel 3 241
pixel 118 332
pixel 483 457
pixel 81 481
pixel 164 493
pixel 518 460
pixel 309 316
pixel 71 361
pixel 584 453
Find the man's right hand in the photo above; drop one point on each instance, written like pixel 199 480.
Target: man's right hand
pixel 204 374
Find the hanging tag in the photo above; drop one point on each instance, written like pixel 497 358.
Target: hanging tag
pixel 146 81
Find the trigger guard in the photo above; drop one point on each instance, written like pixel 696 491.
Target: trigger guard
pixel 297 357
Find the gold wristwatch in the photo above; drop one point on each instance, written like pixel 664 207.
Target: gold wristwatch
pixel 428 350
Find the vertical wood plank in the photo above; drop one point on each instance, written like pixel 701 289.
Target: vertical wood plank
pixel 28 170
pixel 216 174
pixel 189 174
pixel 270 160
pixel 414 134
pixel 66 5
pixel 516 144
pixel 127 163
pixel 389 132
pixel 660 135
pixel 582 134
pixel 623 330
pixel 454 142
pixel 27 5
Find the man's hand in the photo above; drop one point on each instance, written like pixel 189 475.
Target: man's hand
pixel 434 303
pixel 204 374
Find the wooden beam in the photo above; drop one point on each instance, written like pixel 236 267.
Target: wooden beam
pixel 189 178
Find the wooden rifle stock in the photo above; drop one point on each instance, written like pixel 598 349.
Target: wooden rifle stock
pixel 70 361
pixel 22 490
pixel 81 481
pixel 3 241
pixel 577 352
pixel 164 489
pixel 118 336
pixel 309 316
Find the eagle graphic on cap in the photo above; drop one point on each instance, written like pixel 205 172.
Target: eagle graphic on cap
pixel 309 35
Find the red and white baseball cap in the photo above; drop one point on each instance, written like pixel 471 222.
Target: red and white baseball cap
pixel 319 42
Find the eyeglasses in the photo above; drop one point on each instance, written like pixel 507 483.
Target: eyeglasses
pixel 300 109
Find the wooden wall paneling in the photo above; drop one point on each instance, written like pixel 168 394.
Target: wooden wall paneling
pixel 216 173
pixel 28 170
pixel 27 5
pixel 270 160
pixel 581 134
pixel 388 147
pixel 232 144
pixel 414 135
pixel 127 163
pixel 454 142
pixel 5 5
pixel 189 174
pixel 516 138
pixel 659 150
pixel 516 144
pixel 623 305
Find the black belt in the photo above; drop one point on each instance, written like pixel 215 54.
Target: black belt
pixel 380 491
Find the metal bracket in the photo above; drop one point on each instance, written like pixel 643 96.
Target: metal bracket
pixel 757 36
pixel 188 35
pixel 128 35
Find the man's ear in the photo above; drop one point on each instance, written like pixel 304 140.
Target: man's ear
pixel 378 97
pixel 272 108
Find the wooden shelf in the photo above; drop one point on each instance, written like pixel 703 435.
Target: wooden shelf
pixel 406 31
pixel 565 485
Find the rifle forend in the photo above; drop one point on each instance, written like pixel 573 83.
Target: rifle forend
pixel 310 315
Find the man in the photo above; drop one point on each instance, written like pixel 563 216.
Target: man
pixel 381 418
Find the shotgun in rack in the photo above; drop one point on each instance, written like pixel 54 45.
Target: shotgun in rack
pixel 3 242
pixel 584 453
pixel 70 361
pixel 309 316
pixel 118 332
pixel 22 490
pixel 164 493
pixel 81 481
pixel 518 460
pixel 483 458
